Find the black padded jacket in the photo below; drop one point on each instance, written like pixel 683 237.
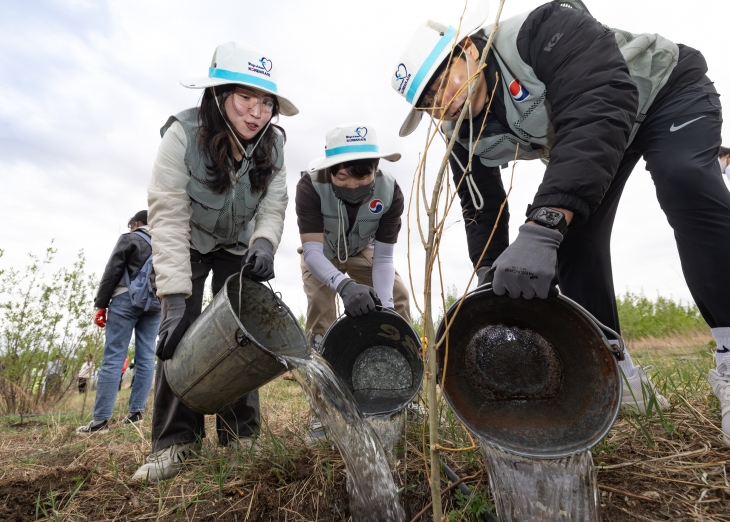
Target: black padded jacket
pixel 593 103
pixel 130 253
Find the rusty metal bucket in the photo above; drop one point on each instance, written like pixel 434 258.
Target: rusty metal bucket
pixel 378 357
pixel 227 353
pixel 534 377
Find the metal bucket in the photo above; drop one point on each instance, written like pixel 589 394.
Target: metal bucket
pixel 226 354
pixel 378 357
pixel 534 377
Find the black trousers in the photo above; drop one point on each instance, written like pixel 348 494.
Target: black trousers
pixel 683 164
pixel 172 421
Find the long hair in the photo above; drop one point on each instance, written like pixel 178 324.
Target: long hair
pixel 215 144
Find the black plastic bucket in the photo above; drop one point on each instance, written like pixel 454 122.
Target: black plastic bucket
pixel 535 377
pixel 378 357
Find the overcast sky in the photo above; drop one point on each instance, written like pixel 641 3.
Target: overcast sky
pixel 86 85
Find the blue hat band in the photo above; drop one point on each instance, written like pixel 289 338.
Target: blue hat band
pixel 250 79
pixel 430 60
pixel 347 149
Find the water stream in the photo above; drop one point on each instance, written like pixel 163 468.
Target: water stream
pixel 372 492
pixel 532 490
pixel 389 429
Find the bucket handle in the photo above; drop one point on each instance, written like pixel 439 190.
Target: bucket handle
pixel 617 352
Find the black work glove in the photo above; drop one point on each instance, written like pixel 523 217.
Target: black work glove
pixel 173 325
pixel 359 299
pixel 527 267
pixel 261 258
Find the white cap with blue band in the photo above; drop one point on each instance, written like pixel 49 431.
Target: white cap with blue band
pixel 234 63
pixel 427 49
pixel 350 142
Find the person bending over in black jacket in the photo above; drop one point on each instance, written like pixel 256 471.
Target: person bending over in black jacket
pixel 592 101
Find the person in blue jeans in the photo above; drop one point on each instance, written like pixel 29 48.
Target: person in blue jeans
pixel 116 313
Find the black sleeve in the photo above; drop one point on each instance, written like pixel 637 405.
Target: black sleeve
pixel 593 102
pixel 389 225
pixel 114 270
pixel 479 223
pixel 308 207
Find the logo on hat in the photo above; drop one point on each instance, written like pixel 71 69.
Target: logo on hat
pixel 376 206
pixel 264 68
pixel 401 74
pixel 360 134
pixel 518 92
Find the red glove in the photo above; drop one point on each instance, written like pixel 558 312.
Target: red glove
pixel 100 318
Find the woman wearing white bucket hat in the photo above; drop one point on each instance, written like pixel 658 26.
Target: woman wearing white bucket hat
pixel 593 101
pixel 217 196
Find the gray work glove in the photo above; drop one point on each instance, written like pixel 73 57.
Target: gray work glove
pixel 359 299
pixel 527 267
pixel 483 276
pixel 261 258
pixel 173 325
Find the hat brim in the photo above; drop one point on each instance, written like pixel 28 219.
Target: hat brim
pixel 323 163
pixel 286 108
pixel 471 23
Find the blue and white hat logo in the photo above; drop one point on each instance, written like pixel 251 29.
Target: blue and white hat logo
pixel 264 68
pixel 402 76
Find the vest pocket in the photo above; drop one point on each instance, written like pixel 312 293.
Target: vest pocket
pixel 367 228
pixel 205 206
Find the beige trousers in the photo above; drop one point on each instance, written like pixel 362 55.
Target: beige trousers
pixel 321 309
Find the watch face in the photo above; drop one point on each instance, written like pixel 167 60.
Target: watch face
pixel 549 216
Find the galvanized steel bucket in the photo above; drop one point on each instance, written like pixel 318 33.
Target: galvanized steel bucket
pixel 378 357
pixel 534 377
pixel 226 354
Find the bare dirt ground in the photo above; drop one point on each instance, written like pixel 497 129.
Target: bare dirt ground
pixel 662 466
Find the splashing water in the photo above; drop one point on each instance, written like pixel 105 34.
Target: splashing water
pixel 530 490
pixel 372 492
pixel 389 429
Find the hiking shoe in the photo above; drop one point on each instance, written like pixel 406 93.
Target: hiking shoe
pixel 93 427
pixel 316 434
pixel 639 392
pixel 166 463
pixel 720 384
pixel 133 417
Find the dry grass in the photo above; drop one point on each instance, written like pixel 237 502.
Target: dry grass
pixel 669 466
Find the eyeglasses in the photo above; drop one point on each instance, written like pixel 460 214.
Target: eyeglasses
pixel 248 100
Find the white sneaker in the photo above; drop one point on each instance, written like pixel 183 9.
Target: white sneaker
pixel 166 463
pixel 720 384
pixel 241 444
pixel 640 392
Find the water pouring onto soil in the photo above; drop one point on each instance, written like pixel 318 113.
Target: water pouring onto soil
pixel 533 490
pixel 372 492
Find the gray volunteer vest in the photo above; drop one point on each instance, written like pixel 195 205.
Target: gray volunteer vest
pixel 218 220
pixel 366 220
pixel 650 58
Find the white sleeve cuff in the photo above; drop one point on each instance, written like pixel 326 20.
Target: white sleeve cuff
pixel 384 272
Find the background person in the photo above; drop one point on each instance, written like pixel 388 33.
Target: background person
pixel 120 318
pixel 53 377
pixel 219 166
pixel 566 94
pixel 85 373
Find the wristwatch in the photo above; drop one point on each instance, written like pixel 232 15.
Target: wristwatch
pixel 549 218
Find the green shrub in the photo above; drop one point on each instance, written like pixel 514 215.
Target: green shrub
pixel 640 317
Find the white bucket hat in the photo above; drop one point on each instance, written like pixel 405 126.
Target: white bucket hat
pixel 428 48
pixel 234 63
pixel 349 142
